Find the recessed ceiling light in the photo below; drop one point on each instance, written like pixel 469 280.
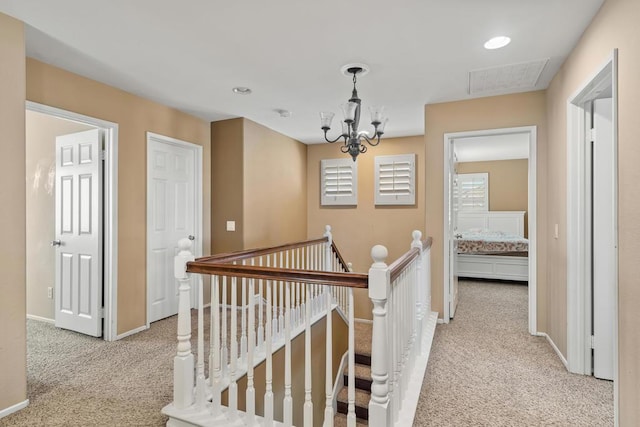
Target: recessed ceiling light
pixel 241 90
pixel 497 42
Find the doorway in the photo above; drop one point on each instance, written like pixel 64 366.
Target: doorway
pixel 45 292
pixel 450 252
pixel 592 234
pixel 174 206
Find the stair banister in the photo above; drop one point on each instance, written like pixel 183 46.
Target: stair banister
pixel 379 414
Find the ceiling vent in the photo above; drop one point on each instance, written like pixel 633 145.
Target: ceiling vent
pixel 511 77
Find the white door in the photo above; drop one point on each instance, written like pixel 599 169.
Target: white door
pixel 78 228
pixel 604 239
pixel 171 216
pixel 453 232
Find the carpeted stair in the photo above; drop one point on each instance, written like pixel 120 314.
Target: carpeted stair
pixel 362 380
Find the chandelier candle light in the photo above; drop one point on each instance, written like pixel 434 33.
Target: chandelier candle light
pixel 353 138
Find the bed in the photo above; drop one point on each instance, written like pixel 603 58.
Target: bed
pixel 491 245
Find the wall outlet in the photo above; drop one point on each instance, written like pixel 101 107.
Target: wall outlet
pixel 50 292
pixel 231 226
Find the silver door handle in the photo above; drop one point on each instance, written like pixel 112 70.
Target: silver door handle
pixel 191 237
pixel 458 236
pixel 56 243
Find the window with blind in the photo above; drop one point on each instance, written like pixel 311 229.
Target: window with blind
pixel 339 182
pixel 471 192
pixel 395 178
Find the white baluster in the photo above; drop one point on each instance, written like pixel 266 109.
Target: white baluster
pixel 308 404
pixel 260 309
pixel 233 386
pixel 214 354
pixel 287 403
pixel 251 392
pixel 328 409
pixel 183 361
pixel 200 378
pixel 327 249
pixel 268 395
pixel 243 309
pixel 379 293
pixel 281 314
pixel 224 359
pixel 351 392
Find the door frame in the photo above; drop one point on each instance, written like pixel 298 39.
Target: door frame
pixel 578 257
pixel 198 202
pixel 449 139
pixel 110 210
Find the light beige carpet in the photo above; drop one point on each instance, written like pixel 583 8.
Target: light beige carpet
pixel 486 370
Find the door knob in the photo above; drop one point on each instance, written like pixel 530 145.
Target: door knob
pixel 56 243
pixel 191 237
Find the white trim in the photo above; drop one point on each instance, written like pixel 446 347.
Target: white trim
pixel 41 319
pixel 338 383
pixel 14 408
pixel 531 209
pixel 414 386
pixel 555 348
pixel 132 332
pixel 198 196
pixel 578 299
pixel 110 208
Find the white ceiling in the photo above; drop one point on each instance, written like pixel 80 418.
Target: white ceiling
pixel 189 54
pixel 493 147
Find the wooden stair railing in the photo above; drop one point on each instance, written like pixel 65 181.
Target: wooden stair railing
pixel 283 291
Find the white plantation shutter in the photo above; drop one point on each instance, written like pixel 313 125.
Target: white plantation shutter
pixel 395 179
pixel 472 192
pixel 339 182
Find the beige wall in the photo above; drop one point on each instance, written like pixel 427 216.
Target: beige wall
pixel 357 229
pixel 227 190
pixel 135 116
pixel 615 26
pixel 275 187
pixel 508 184
pixel 13 347
pixel 523 109
pixel 258 181
pixel 41 132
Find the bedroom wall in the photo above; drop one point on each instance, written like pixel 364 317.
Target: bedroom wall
pixel 508 184
pixel 357 229
pixel 41 132
pixel 522 109
pixel 615 26
pixel 135 116
pixel 13 345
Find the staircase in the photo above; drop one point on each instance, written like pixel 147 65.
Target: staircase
pixel 363 380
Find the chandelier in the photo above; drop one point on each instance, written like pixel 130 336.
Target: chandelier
pixel 354 138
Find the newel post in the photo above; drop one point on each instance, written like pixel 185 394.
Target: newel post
pixel 379 284
pixel 419 285
pixel 183 373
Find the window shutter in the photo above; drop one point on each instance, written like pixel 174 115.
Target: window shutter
pixel 339 182
pixel 395 180
pixel 472 192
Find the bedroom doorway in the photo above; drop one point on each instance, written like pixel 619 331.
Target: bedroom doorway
pixel 505 136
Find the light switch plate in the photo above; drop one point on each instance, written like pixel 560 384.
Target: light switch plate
pixel 231 226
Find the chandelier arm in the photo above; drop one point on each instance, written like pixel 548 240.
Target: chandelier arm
pixel 330 141
pixel 372 141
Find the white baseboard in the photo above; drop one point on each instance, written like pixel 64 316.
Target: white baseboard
pixel 367 321
pixel 15 408
pixel 440 321
pixel 41 319
pixel 555 348
pixel 131 332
